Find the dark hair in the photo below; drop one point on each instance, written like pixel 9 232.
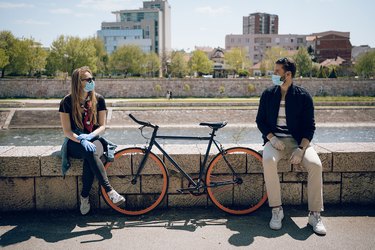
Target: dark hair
pixel 288 65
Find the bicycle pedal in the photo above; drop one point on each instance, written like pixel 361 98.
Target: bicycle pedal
pixel 180 191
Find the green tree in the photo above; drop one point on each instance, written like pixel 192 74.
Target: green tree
pixel 8 45
pixel 68 53
pixel 30 58
pixel 365 65
pixel 101 55
pixel 128 59
pixel 152 64
pixel 179 65
pixel 303 62
pixel 271 56
pixel 322 72
pixel 237 59
pixel 4 59
pixel 199 63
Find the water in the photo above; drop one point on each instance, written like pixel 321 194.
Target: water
pixel 245 135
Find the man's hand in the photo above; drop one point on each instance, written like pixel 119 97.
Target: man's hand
pixel 276 143
pixel 297 156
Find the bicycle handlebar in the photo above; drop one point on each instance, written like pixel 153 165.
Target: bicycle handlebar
pixel 147 124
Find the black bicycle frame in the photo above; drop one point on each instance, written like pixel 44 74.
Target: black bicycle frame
pixel 153 142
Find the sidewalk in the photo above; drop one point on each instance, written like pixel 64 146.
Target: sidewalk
pixel 349 227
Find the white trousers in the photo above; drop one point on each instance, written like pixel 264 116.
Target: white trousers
pixel 310 162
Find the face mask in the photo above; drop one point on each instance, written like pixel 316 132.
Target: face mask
pixel 90 86
pixel 278 80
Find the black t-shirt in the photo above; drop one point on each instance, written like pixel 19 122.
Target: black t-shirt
pixel 66 107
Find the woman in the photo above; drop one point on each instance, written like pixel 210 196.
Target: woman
pixel 82 115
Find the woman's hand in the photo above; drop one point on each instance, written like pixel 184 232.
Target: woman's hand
pixel 88 137
pixel 89 146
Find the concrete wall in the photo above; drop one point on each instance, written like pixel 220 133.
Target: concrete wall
pixel 129 88
pixel 30 177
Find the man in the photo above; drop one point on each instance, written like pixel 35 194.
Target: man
pixel 286 119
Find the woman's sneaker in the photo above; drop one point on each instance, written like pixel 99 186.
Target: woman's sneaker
pixel 277 217
pixel 316 222
pixel 85 205
pixel 115 197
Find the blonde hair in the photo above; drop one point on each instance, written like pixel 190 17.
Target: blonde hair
pixel 76 93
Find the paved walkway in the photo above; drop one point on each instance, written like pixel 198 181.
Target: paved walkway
pixel 348 228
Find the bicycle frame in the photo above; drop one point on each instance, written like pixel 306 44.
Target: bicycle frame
pixel 153 141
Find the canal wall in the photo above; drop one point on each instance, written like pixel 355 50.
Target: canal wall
pixel 147 88
pixel 30 177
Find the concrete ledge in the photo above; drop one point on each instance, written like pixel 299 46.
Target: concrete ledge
pixel 33 175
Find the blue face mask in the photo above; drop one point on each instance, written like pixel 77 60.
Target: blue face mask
pixel 90 86
pixel 277 80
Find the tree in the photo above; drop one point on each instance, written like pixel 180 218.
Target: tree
pixel 7 45
pixel 179 65
pixel 128 59
pixel 30 58
pixel 322 73
pixel 199 63
pixel 303 62
pixel 152 64
pixel 237 59
pixel 101 55
pixel 365 65
pixel 4 59
pixel 271 56
pixel 68 53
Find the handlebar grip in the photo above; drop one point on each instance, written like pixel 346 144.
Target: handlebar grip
pixel 140 122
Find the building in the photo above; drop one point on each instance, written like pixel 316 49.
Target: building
pixel 260 23
pixel 148 27
pixel 257 44
pixel 357 51
pixel 330 45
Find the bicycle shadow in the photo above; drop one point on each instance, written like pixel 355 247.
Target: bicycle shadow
pixel 100 225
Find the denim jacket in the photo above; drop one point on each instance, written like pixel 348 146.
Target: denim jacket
pixel 109 152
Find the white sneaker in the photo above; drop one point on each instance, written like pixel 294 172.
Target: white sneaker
pixel 115 197
pixel 316 222
pixel 85 205
pixel 277 217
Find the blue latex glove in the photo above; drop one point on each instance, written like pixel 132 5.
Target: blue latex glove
pixel 89 146
pixel 88 137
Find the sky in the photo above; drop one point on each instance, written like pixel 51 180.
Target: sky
pixel 193 22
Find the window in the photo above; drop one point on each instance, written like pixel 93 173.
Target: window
pixel 318 42
pixel 114 38
pixel 318 52
pixel 124 37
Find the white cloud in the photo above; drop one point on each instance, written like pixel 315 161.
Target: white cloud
pixel 110 5
pixel 7 5
pixel 61 11
pixel 208 10
pixel 32 22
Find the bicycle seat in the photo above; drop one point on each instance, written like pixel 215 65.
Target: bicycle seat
pixel 214 125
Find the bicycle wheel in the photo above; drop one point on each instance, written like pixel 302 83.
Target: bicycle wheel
pixel 239 193
pixel 149 190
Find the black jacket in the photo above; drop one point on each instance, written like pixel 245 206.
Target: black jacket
pixel 299 109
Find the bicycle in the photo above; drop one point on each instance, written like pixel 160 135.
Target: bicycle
pixel 142 177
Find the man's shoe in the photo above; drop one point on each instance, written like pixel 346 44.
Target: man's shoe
pixel 277 217
pixel 316 222
pixel 85 205
pixel 115 197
